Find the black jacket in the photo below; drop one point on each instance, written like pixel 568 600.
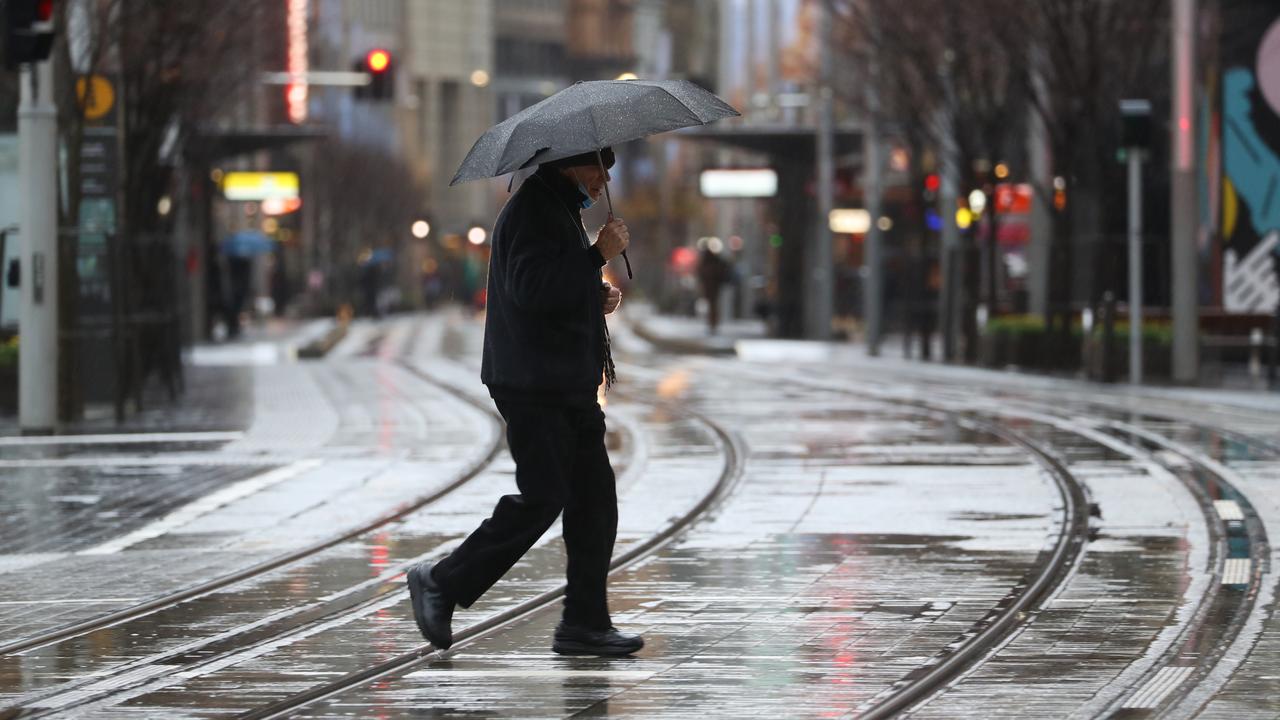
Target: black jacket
pixel 544 328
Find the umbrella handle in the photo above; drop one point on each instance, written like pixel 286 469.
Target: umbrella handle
pixel 604 171
pixel 625 259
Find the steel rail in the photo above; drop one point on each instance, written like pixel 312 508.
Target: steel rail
pixel 1012 610
pixel 1239 606
pixel 1002 619
pixel 174 598
pixel 732 472
pixel 913 689
pixel 350 601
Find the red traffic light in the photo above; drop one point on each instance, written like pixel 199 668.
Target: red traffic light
pixel 28 29
pixel 377 61
pixel 932 182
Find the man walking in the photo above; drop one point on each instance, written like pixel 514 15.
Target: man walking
pixel 546 348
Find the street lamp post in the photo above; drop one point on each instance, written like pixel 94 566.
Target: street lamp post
pixel 38 321
pixel 1136 115
pixel 1182 205
pixel 873 181
pixel 821 274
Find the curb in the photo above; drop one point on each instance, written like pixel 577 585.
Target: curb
pixel 321 346
pixel 678 345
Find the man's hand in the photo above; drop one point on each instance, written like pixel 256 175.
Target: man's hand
pixel 613 239
pixel 610 296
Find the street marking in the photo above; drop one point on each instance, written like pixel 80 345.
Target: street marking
pixel 75 601
pixel 1158 688
pixel 1236 571
pixel 1228 509
pixel 525 673
pixel 257 353
pixel 175 461
pixel 203 506
pixel 119 438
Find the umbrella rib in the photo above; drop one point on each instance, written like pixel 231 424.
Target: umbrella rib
pixel 682 104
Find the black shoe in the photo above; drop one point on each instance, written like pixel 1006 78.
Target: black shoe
pixel 431 609
pixel 576 640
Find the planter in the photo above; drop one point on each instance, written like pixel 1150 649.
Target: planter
pixel 9 390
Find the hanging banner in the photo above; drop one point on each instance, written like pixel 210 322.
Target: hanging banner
pixel 1248 201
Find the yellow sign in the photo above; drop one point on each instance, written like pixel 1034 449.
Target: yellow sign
pixel 96 96
pixel 260 185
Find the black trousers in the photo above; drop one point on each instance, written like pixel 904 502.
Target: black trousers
pixel 561 465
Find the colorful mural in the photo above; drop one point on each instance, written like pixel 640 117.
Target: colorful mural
pixel 1250 193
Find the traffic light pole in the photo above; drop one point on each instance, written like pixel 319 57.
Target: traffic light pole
pixel 1183 221
pixel 821 273
pixel 1135 117
pixel 38 320
pixel 873 190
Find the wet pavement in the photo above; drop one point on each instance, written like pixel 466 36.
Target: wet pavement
pixel 865 524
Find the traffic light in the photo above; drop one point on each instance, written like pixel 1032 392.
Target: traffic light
pixel 380 67
pixel 28 30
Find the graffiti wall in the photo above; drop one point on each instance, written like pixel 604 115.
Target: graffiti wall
pixel 1249 201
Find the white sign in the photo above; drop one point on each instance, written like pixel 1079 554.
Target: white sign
pixel 738 183
pixel 849 221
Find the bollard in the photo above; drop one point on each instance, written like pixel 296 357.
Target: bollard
pixel 1255 353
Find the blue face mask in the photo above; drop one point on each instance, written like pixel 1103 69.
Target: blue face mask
pixel 586 201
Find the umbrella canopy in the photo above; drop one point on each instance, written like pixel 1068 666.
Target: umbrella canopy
pixel 247 243
pixel 588 116
pixel 381 256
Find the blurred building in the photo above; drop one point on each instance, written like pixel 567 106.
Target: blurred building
pixel 450 67
pixel 530 59
pixel 599 40
pixel 440 94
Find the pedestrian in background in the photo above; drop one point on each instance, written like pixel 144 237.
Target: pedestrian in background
pixel 546 348
pixel 713 272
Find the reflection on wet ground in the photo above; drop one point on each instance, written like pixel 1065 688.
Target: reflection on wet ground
pixel 383 628
pixel 777 602
pixel 864 536
pixel 57 510
pixel 1204 635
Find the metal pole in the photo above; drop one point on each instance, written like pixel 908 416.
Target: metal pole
pixel 38 321
pixel 1135 265
pixel 1185 280
pixel 821 274
pixel 1041 221
pixel 873 290
pixel 950 307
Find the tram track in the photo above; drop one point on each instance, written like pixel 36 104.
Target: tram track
pixel 1167 682
pixel 734 456
pixel 1242 553
pixel 485 458
pixel 1239 555
pixel 242 643
pixel 1230 601
pixel 1042 581
pixel 237 644
pixel 1049 573
pixel 1006 619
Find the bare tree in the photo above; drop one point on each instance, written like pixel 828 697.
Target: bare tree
pixel 368 198
pixel 939 81
pixel 178 65
pixel 986 62
pixel 1084 56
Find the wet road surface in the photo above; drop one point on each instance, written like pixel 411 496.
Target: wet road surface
pixel 871 526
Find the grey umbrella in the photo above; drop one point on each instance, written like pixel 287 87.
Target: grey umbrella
pixel 586 117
